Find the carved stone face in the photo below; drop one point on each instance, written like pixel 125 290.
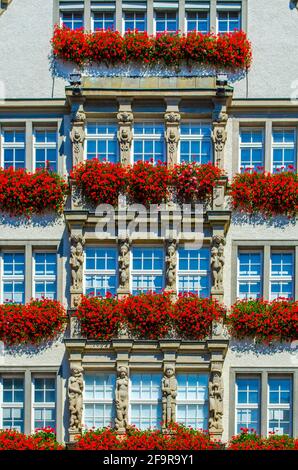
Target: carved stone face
pixel 169 372
pixel 171 250
pixel 76 372
pixel 220 250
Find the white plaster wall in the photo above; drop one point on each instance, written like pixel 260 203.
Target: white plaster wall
pixel 27 25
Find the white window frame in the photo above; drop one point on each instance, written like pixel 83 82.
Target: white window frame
pixel 10 405
pixel 108 272
pixel 142 272
pixel 282 278
pixel 45 145
pixel 93 12
pixel 148 137
pixel 45 277
pixel 251 145
pixel 249 406
pixel 195 138
pixel 98 137
pixel 143 401
pixel 194 273
pixel 280 406
pixel 43 405
pixel 189 401
pixel 196 10
pixel 100 401
pixel 134 20
pixel 165 10
pixel 284 146
pixel 256 278
pixel 12 145
pixel 229 7
pixel 12 278
pixel 72 11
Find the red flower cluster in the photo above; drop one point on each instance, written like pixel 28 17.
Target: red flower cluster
pixel 148 183
pixel 249 440
pixel 230 50
pixel 265 321
pixel 193 316
pixel 42 439
pixel 194 183
pixel 38 321
pixel 270 194
pixel 24 193
pixel 181 438
pixel 99 317
pixel 100 182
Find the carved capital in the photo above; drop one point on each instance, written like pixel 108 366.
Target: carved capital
pixel 172 117
pixel 125 117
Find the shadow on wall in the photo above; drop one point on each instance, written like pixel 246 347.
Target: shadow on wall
pixel 250 346
pixel 43 220
pixel 32 351
pixel 281 222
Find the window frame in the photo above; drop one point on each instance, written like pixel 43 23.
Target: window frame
pixel 148 137
pixel 165 10
pixel 282 279
pixel 100 401
pixel 279 406
pixel 248 406
pixel 228 8
pixel 198 273
pixel 141 272
pixel 195 138
pixel 251 145
pixel 101 272
pixel 44 145
pixel 197 10
pixel 94 12
pixel 43 405
pixel 283 145
pixel 12 278
pixel 16 405
pixel 142 401
pixel 259 278
pixel 101 137
pixel 13 145
pixel 197 402
pixel 79 10
pixel 44 278
pixel 134 20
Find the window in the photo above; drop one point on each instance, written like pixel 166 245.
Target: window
pixel 147 269
pixel 72 19
pixel 134 20
pixel 194 271
pixel 102 141
pixel 148 143
pixel 195 143
pixel 251 150
pixel 14 148
pixel 145 401
pixel 192 400
pixel 282 275
pixel 166 21
pixel 45 148
pixel 12 403
pixel 44 402
pixel 228 17
pixel 100 271
pixel 280 405
pixel 45 272
pixel 103 20
pixel 250 275
pixel 13 277
pixel 283 149
pixel 198 21
pixel 248 403
pixel 99 393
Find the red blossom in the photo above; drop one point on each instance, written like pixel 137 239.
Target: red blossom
pixel 148 183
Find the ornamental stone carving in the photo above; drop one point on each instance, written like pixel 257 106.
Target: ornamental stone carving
pixel 216 399
pixel 77 134
pixel 171 264
pixel 76 264
pixel 121 421
pixel 172 136
pixel 75 397
pixel 169 394
pixel 217 263
pixel 123 261
pixel 124 135
pixel 219 137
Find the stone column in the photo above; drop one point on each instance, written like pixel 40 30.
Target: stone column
pixel 77 133
pixel 219 134
pixel 77 242
pixel 217 266
pixel 171 266
pixel 124 134
pixel 124 265
pixel 172 135
pixel 216 400
pixel 75 399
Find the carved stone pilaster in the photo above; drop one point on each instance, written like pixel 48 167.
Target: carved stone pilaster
pixel 77 134
pixel 121 420
pixel 75 399
pixel 124 135
pixel 219 137
pixel 123 263
pixel 216 391
pixel 217 266
pixel 172 136
pixel 76 265
pixel 171 265
pixel 169 395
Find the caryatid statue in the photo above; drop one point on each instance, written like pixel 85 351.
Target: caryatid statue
pixel 169 394
pixel 217 262
pixel 215 402
pixel 121 421
pixel 75 397
pixel 171 263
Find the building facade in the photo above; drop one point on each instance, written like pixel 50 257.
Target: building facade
pixel 247 120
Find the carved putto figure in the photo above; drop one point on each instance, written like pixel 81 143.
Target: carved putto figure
pixel 169 394
pixel 215 402
pixel 76 261
pixel 124 263
pixel 75 397
pixel 171 263
pixel 121 399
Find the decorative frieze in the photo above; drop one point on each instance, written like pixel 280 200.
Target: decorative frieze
pixel 169 395
pixel 76 264
pixel 172 136
pixel 121 421
pixel 75 398
pixel 124 134
pixel 216 399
